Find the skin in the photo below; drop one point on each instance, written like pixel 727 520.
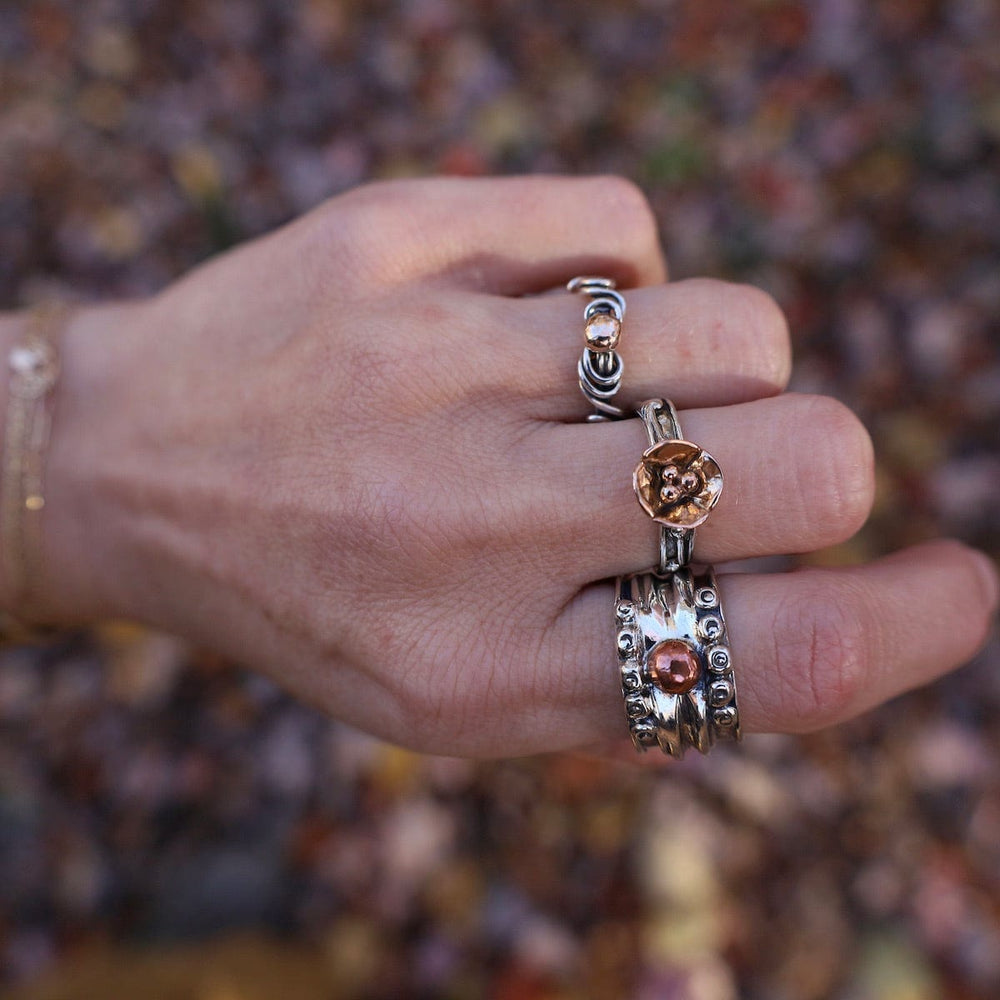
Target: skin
pixel 350 454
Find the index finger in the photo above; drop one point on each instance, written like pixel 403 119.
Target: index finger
pixel 506 236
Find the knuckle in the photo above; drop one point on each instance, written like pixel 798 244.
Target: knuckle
pixel 843 462
pixel 375 195
pixel 358 235
pixel 633 214
pixel 336 239
pixel 822 652
pixel 766 329
pixel 417 381
pixel 748 328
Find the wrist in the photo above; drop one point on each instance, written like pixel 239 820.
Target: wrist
pixel 75 570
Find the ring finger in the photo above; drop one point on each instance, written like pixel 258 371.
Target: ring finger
pixel 810 648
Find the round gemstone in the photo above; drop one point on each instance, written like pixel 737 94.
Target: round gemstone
pixel 674 666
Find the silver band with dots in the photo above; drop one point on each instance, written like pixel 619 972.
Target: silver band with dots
pixel 676 667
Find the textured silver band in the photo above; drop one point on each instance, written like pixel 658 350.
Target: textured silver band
pixel 676 667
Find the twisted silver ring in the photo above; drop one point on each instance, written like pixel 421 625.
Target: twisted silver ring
pixel 601 368
pixel 676 668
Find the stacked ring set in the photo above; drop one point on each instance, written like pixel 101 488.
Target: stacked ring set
pixel 673 652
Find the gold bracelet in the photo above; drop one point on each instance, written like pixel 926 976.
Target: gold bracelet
pixel 34 370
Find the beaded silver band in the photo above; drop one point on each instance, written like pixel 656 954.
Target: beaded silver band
pixel 676 668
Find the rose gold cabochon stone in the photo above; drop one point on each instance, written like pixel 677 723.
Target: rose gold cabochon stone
pixel 674 666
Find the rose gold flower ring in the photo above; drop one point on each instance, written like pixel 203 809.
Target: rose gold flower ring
pixel 676 482
pixel 676 669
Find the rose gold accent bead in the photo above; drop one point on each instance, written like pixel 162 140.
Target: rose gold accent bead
pixel 603 331
pixel 674 666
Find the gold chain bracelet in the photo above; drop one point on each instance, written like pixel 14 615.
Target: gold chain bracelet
pixel 34 370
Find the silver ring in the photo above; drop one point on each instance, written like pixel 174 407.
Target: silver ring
pixel 676 483
pixel 676 667
pixel 600 368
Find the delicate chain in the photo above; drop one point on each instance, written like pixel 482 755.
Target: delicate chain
pixel 34 369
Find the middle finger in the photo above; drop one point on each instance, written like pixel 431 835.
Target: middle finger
pixel 701 342
pixel 798 476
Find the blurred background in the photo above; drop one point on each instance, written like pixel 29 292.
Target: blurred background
pixel 172 827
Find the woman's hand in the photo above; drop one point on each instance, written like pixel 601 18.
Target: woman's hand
pixel 351 454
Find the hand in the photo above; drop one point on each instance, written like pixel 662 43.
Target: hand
pixel 351 455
